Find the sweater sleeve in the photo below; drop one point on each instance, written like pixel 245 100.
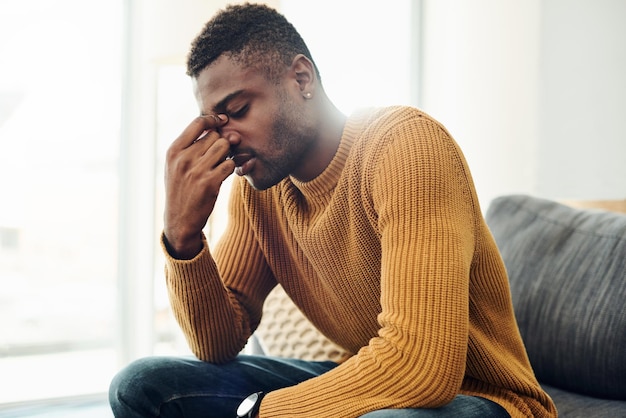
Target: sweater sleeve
pixel 219 308
pixel 422 194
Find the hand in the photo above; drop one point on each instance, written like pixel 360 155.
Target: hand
pixel 195 167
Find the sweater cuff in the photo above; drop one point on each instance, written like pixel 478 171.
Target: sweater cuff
pixel 187 268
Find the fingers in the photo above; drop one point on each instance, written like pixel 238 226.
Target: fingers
pixel 214 150
pixel 197 128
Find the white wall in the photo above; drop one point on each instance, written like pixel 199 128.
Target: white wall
pixel 582 107
pixel 533 91
pixel 364 61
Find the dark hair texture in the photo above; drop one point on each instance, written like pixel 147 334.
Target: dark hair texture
pixel 252 35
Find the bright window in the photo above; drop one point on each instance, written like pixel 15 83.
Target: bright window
pixel 59 138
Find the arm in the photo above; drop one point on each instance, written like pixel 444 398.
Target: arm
pixel 217 309
pixel 218 298
pixel 423 198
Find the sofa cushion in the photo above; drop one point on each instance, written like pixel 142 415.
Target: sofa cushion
pixel 567 269
pixel 574 405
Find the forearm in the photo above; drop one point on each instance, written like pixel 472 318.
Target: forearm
pixel 215 325
pixel 380 376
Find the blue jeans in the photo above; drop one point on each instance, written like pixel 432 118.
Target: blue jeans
pixel 187 387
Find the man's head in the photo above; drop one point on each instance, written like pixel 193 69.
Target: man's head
pixel 250 64
pixel 252 35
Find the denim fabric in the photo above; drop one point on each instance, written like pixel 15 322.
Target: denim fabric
pixel 461 406
pixel 187 387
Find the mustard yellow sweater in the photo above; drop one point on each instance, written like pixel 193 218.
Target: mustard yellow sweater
pixel 388 254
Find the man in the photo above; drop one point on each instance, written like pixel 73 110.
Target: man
pixel 370 223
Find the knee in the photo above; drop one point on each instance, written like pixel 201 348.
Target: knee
pixel 136 386
pixel 136 373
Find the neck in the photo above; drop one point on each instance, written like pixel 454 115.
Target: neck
pixel 331 123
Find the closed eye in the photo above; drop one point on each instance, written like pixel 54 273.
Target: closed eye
pixel 237 114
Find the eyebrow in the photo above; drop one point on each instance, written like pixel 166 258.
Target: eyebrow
pixel 220 107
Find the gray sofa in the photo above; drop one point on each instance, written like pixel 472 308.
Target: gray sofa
pixel 567 269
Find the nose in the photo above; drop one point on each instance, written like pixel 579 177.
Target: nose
pixel 231 135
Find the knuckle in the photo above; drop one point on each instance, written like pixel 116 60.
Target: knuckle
pixel 174 160
pixel 170 154
pixel 222 143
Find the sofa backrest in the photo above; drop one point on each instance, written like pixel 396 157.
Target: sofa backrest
pixel 567 270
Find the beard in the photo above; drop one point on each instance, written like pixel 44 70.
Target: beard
pixel 292 138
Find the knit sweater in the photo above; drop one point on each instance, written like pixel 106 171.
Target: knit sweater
pixel 387 253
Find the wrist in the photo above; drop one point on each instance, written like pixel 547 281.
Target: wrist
pixel 183 250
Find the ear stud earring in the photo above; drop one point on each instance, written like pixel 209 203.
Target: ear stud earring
pixel 307 95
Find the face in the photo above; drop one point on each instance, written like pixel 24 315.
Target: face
pixel 268 127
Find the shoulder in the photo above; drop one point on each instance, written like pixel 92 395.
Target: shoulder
pixel 401 128
pixel 402 134
pixel 380 123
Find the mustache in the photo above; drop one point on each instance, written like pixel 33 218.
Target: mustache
pixel 240 156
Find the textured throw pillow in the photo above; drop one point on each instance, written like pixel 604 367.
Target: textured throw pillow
pixel 567 269
pixel 285 332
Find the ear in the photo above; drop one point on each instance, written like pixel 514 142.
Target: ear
pixel 305 75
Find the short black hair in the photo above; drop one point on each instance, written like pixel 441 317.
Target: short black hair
pixel 253 35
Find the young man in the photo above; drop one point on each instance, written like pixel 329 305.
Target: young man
pixel 370 223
